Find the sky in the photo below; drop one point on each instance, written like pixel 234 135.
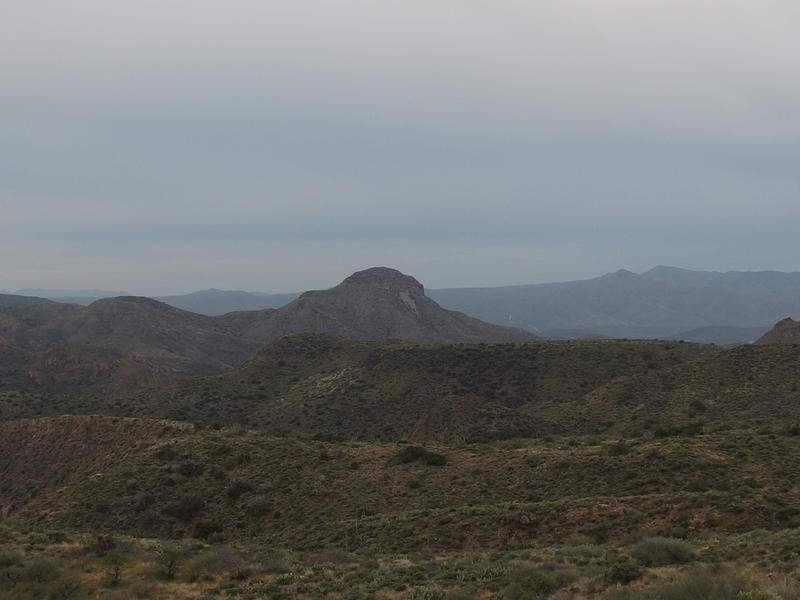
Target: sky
pixel 172 145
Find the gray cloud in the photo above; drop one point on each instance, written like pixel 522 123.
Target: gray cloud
pixel 278 145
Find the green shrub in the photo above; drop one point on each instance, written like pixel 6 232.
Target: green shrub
pixel 618 448
pixel 623 572
pixel 186 508
pixel 38 570
pixel 237 487
pixel 9 559
pixel 660 552
pixel 220 561
pixel 204 529
pixel 528 583
pixel 189 468
pixel 259 506
pixel 787 589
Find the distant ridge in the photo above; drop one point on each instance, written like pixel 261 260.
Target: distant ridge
pixel 663 302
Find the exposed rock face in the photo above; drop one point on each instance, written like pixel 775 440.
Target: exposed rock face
pixel 786 331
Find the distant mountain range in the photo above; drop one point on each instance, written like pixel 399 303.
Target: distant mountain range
pixel 666 302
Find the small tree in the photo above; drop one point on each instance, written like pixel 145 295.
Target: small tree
pixel 116 560
pixel 168 557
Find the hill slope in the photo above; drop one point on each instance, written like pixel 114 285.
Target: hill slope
pixel 756 382
pixel 152 478
pixel 318 385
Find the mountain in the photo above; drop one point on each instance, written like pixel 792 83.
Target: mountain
pixel 786 331
pixel 375 304
pixel 663 302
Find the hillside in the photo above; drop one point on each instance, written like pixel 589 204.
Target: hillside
pixel 745 384
pixel 318 385
pixel 153 478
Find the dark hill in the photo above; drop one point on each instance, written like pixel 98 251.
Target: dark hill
pixel 377 304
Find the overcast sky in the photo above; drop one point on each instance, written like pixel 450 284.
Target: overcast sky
pixel 162 146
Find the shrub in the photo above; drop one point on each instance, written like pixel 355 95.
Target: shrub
pixel 222 560
pixel 189 468
pixel 237 487
pixel 623 572
pixel 531 583
pixel 186 508
pixel 411 454
pixel 103 544
pixel 167 558
pixel 787 589
pixel 166 453
pixel 702 584
pixel 37 571
pixel 660 552
pixel 204 529
pixel 259 506
pixel 618 448
pixel 142 501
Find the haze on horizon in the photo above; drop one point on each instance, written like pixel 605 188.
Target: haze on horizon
pixel 163 147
